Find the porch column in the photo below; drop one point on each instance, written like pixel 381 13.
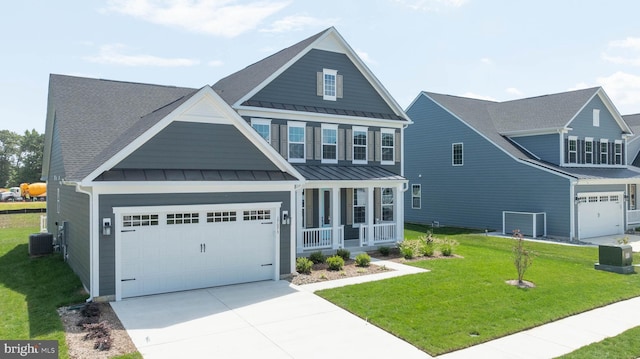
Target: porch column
pixel 299 223
pixel 370 212
pixel 335 219
pixel 398 209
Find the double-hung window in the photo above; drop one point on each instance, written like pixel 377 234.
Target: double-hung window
pixel 573 150
pixel 359 206
pixel 457 158
pixel 416 196
pixel 329 143
pixel 387 204
pixel 387 146
pixel 330 84
pixel 359 145
pixel 296 141
pixel 263 127
pixel 588 150
pixel 617 148
pixel 604 151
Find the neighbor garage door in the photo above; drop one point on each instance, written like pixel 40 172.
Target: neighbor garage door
pixel 165 249
pixel 600 214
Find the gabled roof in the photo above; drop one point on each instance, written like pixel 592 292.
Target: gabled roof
pixel 238 87
pixel 634 123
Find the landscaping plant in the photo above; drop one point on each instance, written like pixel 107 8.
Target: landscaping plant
pixel 363 260
pixel 303 265
pixel 344 253
pixel 317 257
pixel 522 257
pixel 335 263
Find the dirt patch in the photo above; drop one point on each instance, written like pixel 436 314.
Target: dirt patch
pixel 523 285
pixel 79 348
pixel 321 273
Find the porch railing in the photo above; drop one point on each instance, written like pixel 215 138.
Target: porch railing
pixel 382 233
pixel 320 238
pixel 633 216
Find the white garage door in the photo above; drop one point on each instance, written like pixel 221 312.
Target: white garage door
pixel 166 249
pixel 600 214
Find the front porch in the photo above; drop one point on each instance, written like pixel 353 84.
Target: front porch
pixel 358 219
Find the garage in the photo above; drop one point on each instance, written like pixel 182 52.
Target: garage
pixel 600 214
pixel 174 248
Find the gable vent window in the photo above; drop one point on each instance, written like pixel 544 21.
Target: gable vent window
pixel 596 118
pixel 329 85
pixel 457 154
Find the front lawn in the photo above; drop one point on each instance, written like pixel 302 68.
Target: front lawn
pixel 465 301
pixel 31 289
pixel 624 345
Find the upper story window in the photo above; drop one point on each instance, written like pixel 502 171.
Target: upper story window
pixel 329 143
pixel 617 148
pixel 359 145
pixel 416 196
pixel 296 141
pixel 330 82
pixel 573 149
pixel 588 150
pixel 457 154
pixel 604 151
pixel 596 118
pixel 387 146
pixel 263 127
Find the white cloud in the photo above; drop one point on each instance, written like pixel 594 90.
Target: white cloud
pixel 113 55
pixel 623 89
pixel 365 57
pixel 215 63
pixel 298 22
pixel 431 5
pixel 224 18
pixel 623 52
pixel 486 61
pixel 479 97
pixel 514 91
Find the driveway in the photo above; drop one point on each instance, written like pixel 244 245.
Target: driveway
pixel 256 320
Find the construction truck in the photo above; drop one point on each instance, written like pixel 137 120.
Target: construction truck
pixel 33 192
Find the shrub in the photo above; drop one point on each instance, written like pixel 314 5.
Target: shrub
pixel 446 246
pixel 522 257
pixel 335 263
pixel 407 252
pixel 363 260
pixel 427 250
pixel 384 250
pixel 317 257
pixel 343 253
pixel 303 265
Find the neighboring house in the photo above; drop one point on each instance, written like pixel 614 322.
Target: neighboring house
pixel 156 188
pixel 553 165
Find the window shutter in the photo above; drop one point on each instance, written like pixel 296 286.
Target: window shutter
pixel 566 150
pixel 284 142
pixel 580 151
pixel 377 205
pixel 275 131
pixel 397 148
pixel 596 152
pixel 319 84
pixel 377 148
pixel 339 86
pixel 371 147
pixel 612 153
pixel 341 144
pixel 308 207
pixel 624 160
pixel 349 145
pixel 349 206
pixel 308 133
pixel 318 146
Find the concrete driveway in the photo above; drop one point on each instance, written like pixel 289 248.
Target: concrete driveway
pixel 256 320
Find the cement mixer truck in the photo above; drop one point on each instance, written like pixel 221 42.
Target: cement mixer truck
pixel 34 191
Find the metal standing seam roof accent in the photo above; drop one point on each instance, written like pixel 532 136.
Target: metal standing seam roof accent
pixel 346 173
pixel 192 175
pixel 587 173
pixel 327 110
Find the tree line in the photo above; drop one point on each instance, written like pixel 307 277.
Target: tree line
pixel 20 157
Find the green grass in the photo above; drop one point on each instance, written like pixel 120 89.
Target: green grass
pixel 465 301
pixel 623 346
pixel 22 205
pixel 31 289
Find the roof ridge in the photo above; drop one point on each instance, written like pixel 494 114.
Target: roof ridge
pixel 122 82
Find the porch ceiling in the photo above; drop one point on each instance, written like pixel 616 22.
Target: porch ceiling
pixel 346 173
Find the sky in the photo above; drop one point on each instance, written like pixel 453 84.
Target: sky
pixel 488 49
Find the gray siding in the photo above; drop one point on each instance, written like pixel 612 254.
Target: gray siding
pixel 582 124
pixel 108 202
pixel 297 85
pixel 216 147
pixel 490 181
pixel 547 147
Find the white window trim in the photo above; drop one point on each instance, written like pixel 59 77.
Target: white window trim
pixel 596 117
pixel 393 133
pixel 418 196
pixel 355 129
pixel 304 145
pixel 353 207
pixel 575 151
pixel 333 73
pixel 262 121
pixel 617 154
pixel 453 146
pixel 588 140
pixel 383 205
pixel 603 140
pixel 333 127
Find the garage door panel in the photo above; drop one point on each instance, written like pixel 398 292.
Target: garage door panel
pixel 223 247
pixel 600 214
